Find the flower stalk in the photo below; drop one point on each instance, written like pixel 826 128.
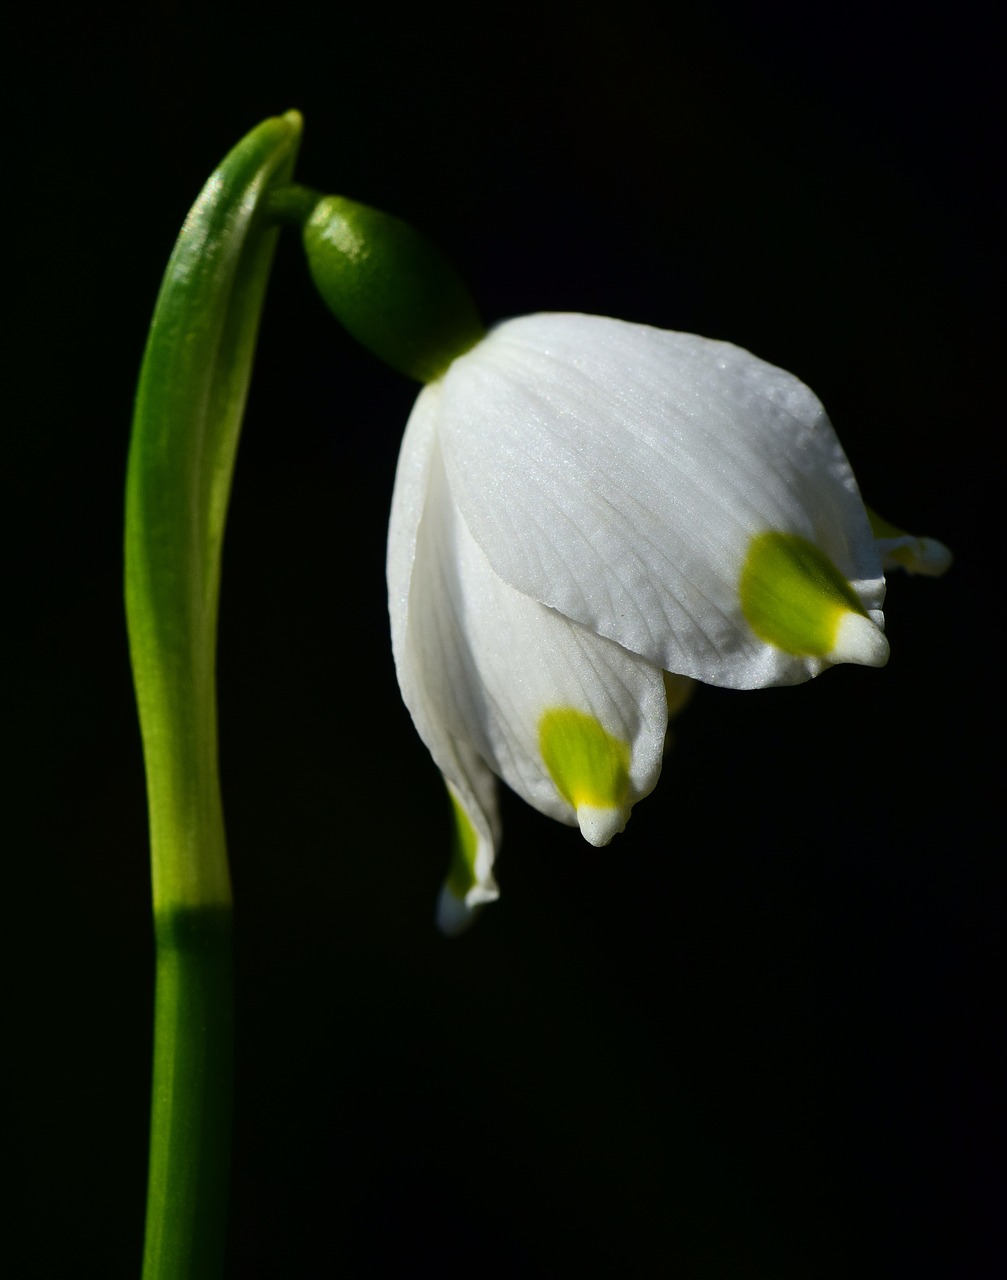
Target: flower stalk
pixel 189 408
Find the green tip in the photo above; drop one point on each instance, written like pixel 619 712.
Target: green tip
pixel 390 287
pixel 590 769
pixel 462 872
pixel 795 598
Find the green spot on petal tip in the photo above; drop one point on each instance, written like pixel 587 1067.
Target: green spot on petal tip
pixel 461 875
pixel 590 769
pixel 794 598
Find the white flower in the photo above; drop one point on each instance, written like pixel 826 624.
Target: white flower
pixel 583 505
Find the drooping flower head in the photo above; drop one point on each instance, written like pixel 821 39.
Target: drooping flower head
pixel 588 516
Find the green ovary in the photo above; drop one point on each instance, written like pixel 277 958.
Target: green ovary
pixel 792 595
pixel 588 765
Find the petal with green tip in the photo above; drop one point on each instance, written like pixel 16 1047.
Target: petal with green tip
pixel 588 517
pixel 618 473
pixel 795 599
pixel 481 665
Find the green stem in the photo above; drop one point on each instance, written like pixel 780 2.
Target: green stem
pixel 292 204
pixel 189 407
pixel 191 1102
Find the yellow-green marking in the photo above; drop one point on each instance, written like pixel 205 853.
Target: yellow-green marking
pixel 795 598
pixel 590 769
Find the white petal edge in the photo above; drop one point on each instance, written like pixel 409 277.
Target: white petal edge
pixel 469 780
pixel 617 472
pixel 925 556
pixel 479 663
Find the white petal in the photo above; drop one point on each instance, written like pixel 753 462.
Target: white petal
pixel 916 555
pixel 618 473
pixel 469 779
pixel 860 641
pixel 901 550
pixel 470 883
pixel 480 664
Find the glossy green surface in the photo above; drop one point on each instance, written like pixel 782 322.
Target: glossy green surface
pixel 390 287
pixel 189 406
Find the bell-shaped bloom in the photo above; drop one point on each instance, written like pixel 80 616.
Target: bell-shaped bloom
pixel 588 516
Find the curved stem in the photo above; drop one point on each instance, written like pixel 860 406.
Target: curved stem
pixel 189 407
pixel 292 204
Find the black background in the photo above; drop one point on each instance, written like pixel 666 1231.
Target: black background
pixel 757 1036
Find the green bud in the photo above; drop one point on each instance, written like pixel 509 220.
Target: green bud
pixel 390 287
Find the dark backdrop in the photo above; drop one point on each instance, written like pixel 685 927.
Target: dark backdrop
pixel 757 1036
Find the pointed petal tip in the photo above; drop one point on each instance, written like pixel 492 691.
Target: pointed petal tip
pixel 452 915
pixel 859 640
pixel 902 550
pixel 598 826
pixel 455 915
pixel 925 556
